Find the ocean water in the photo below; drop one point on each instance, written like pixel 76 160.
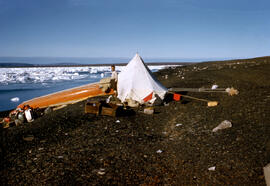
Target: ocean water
pixel 20 84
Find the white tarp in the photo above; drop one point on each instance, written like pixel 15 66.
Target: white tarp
pixel 136 82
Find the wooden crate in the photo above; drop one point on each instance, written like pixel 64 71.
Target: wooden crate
pixel 109 109
pixel 93 107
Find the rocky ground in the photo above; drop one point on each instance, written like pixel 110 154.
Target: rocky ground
pixel 174 146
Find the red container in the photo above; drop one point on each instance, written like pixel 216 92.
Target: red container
pixel 176 97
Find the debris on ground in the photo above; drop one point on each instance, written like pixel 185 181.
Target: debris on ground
pixel 223 125
pixel 149 110
pixel 29 138
pixel 212 103
pixel 231 91
pixel 214 87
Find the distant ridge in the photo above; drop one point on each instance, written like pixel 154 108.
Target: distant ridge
pixel 16 65
pixel 69 64
pixel 255 59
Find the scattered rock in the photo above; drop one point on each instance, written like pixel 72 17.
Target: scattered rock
pixel 214 87
pixel 223 125
pixel 149 110
pixel 266 171
pixel 212 168
pixel 29 138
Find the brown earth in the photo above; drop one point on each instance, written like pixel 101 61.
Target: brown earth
pixel 70 147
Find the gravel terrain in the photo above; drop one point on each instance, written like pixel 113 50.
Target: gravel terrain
pixel 174 146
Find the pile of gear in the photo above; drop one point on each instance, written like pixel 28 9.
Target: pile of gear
pixel 22 115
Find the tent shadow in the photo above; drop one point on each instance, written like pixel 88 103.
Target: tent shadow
pixel 121 112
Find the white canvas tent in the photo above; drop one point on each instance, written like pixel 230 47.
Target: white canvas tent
pixel 136 82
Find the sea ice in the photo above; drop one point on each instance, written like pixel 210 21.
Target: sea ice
pixel 51 74
pixel 16 99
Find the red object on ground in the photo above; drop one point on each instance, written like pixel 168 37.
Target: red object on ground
pixel 149 97
pixel 177 97
pixel 7 120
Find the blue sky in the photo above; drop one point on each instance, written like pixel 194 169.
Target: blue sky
pixel 120 28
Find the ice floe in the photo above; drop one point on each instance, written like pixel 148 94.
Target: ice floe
pixel 52 74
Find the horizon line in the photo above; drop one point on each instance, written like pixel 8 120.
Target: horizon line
pixel 127 57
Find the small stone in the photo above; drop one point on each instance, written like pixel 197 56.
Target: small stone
pixel 159 151
pixel 34 171
pixel 214 87
pixel 101 173
pixel 266 171
pixel 238 139
pixel 28 138
pixel 149 110
pixel 212 168
pixel 223 125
